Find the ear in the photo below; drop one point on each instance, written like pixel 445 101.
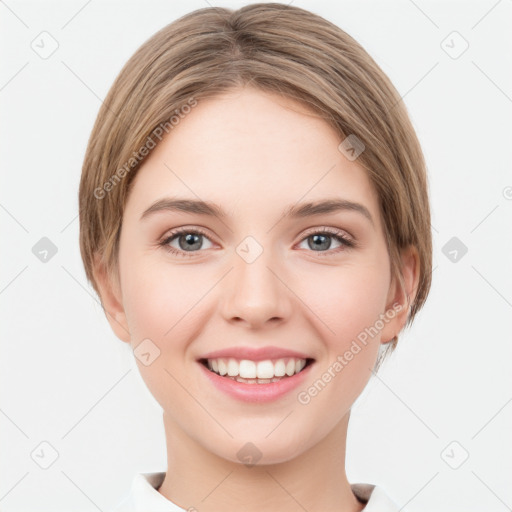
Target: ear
pixel 111 299
pixel 399 299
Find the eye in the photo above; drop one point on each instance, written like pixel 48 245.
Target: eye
pixel 321 241
pixel 188 241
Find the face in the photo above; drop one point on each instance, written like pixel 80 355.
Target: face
pixel 254 276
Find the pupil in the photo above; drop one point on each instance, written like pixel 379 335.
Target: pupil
pixel 320 241
pixel 190 240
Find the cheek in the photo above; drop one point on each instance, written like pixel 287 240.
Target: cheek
pixel 347 299
pixel 348 306
pixel 159 298
pixel 161 305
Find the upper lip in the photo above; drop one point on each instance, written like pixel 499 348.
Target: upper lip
pixel 255 354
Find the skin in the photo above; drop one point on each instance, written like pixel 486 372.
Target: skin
pixel 254 153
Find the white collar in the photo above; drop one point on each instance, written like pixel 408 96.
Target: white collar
pixel 144 497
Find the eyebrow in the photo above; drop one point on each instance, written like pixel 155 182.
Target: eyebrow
pixel 301 210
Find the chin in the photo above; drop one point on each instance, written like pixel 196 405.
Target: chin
pixel 254 448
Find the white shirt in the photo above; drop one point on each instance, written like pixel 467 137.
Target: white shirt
pixel 144 497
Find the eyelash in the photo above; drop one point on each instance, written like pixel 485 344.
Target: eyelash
pixel 346 242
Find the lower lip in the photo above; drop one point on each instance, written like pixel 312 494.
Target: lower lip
pixel 256 392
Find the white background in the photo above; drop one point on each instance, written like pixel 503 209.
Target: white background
pixel 67 380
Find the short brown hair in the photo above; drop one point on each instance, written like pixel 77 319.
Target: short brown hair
pixel 274 48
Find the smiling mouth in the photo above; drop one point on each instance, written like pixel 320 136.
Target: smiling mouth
pixel 256 372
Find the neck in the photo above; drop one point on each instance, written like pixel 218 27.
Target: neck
pixel 313 481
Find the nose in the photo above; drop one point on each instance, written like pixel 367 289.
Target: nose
pixel 255 293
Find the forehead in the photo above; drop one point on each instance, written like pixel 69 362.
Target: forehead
pixel 253 150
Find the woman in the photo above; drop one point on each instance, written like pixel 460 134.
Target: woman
pixel 254 216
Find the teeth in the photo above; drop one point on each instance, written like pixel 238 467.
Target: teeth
pixel 246 369
pixel 256 371
pixel 264 370
pixel 233 368
pixel 279 368
pixel 223 369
